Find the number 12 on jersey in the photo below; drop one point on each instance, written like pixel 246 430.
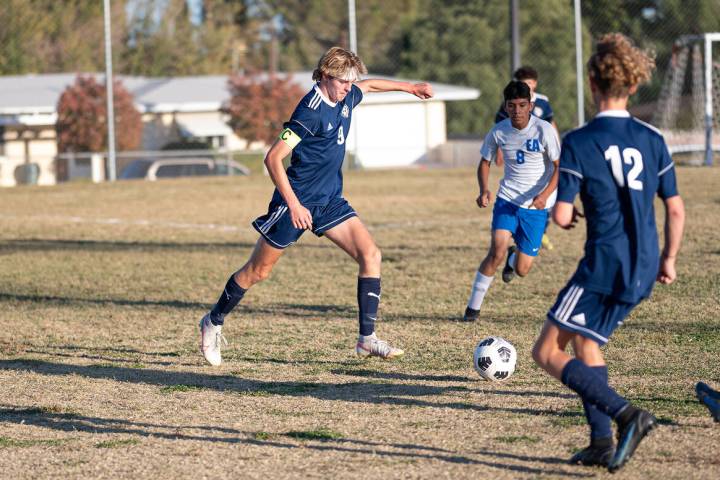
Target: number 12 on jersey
pixel 630 156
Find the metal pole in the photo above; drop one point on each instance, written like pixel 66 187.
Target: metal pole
pixel 352 29
pixel 351 26
pixel 109 92
pixel 578 65
pixel 515 35
pixel 708 101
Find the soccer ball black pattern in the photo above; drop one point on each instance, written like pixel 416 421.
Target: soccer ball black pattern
pixel 494 359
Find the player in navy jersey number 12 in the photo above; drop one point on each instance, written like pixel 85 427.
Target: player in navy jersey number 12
pixel 618 165
pixel 308 196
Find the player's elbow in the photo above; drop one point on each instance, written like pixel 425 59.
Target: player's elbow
pixel 562 214
pixel 272 161
pixel 675 209
pixel 561 219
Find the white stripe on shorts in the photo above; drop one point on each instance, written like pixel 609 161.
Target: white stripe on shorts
pixel 273 219
pixel 568 303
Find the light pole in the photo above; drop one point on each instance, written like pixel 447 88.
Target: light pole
pixel 109 92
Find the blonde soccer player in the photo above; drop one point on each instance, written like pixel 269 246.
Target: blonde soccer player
pixel 309 196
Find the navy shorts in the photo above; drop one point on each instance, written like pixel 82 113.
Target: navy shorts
pixel 591 314
pixel 526 225
pixel 276 226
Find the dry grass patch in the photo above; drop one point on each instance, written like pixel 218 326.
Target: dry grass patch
pixel 102 288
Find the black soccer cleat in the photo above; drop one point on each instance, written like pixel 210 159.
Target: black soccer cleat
pixel 593 456
pixel 629 437
pixel 710 398
pixel 508 272
pixel 470 315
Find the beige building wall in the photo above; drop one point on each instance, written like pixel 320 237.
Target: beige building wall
pixel 30 146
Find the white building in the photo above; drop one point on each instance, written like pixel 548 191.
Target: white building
pixel 389 129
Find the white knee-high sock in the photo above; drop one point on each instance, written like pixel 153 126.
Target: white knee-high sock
pixel 480 288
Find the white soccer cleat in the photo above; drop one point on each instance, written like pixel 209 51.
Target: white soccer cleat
pixel 370 346
pixel 211 338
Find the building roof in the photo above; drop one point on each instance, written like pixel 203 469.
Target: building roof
pixel 33 98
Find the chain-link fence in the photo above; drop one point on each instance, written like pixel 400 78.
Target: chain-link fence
pixel 468 44
pixel 453 42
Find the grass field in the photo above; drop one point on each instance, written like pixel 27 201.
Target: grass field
pixel 102 286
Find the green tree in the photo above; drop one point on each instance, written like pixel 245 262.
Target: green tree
pixel 46 36
pixel 309 27
pixel 461 43
pixel 548 44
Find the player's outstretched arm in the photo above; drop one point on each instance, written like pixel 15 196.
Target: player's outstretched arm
pixel 420 90
pixel 674 226
pixel 300 216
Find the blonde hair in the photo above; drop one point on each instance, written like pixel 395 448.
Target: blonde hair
pixel 618 65
pixel 340 63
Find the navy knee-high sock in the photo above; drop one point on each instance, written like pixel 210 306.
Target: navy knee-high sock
pixel 368 295
pixel 600 423
pixel 230 297
pixel 592 388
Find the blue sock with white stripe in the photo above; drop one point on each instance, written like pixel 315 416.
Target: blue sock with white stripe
pixel 228 300
pixel 368 296
pixel 592 388
pixel 600 424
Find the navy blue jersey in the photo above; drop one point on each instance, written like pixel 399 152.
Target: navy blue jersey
pixel 617 164
pixel 542 109
pixel 315 168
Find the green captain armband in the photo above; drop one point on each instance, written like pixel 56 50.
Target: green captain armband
pixel 290 138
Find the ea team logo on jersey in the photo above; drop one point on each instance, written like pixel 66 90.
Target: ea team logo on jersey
pixel 345 111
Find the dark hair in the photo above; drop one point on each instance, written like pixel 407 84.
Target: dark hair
pixel 525 73
pixel 517 89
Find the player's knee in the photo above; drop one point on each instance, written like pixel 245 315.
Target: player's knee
pixel 258 273
pixel 541 354
pixel 521 270
pixel 495 257
pixel 371 257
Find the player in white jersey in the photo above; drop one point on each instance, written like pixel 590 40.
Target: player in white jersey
pixel 531 149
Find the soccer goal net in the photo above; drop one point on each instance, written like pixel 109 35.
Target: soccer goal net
pixel 688 111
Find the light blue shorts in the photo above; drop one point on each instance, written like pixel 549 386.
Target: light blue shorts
pixel 526 225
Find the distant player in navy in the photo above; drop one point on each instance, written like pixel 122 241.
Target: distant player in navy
pixel 617 165
pixel 531 149
pixel 541 103
pixel 541 109
pixel 308 196
pixel 710 398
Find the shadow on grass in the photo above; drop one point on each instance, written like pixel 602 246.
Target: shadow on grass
pixel 78 423
pixel 60 244
pixel 290 310
pixel 444 378
pixel 362 392
pixel 49 245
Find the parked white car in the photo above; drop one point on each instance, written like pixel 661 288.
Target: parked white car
pixel 150 169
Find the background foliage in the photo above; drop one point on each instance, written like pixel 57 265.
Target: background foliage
pixel 458 42
pixel 82 117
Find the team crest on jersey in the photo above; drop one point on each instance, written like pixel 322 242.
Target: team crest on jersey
pixel 345 111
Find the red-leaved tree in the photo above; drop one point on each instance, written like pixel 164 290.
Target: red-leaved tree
pixel 82 117
pixel 260 105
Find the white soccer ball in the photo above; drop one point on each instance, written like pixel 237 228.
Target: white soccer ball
pixel 494 359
